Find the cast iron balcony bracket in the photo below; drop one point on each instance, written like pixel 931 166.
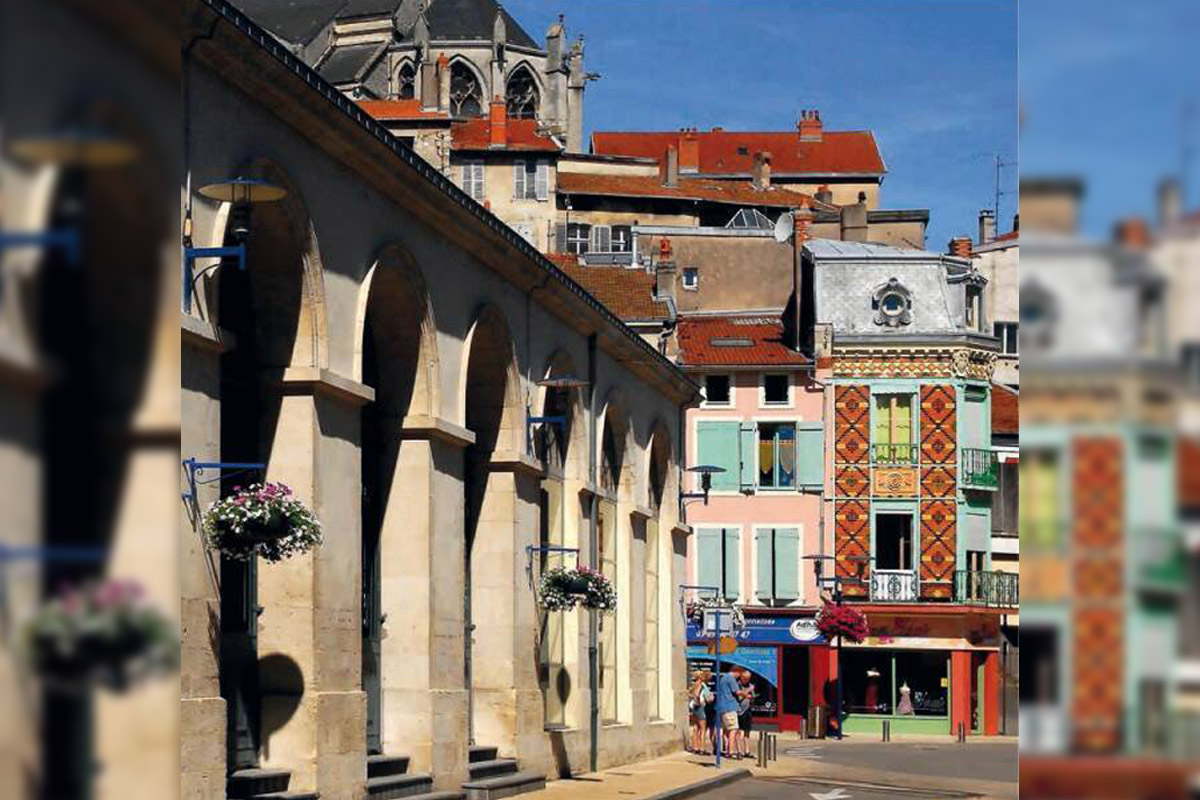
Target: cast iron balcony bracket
pixel 65 239
pixel 46 554
pixel 195 468
pixel 543 549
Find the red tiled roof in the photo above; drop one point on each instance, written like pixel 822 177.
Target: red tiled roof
pixel 1004 237
pixel 389 110
pixel 1006 413
pixel 628 293
pixel 735 341
pixel 522 135
pixel 1188 472
pixel 741 194
pixel 836 152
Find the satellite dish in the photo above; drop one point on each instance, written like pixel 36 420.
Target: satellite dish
pixel 784 227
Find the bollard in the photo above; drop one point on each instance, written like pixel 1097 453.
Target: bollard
pixel 774 747
pixel 804 731
pixel 962 732
pixel 762 748
pixel 887 730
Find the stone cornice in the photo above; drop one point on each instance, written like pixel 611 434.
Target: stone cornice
pixel 319 380
pixel 423 426
pixel 914 362
pixel 518 463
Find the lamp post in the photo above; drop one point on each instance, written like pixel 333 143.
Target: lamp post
pixel 705 471
pixel 835 583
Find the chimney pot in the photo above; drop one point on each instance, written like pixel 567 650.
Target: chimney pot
pixel 689 151
pixel 762 170
pixel 960 246
pixel 809 126
pixel 669 168
pixel 824 194
pixel 1133 233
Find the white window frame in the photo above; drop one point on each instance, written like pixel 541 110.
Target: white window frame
pixel 999 329
pixel 706 403
pixel 474 184
pixel 585 241
pixel 522 174
pixel 784 420
pixel 762 391
pixel 802 584
pixel 694 285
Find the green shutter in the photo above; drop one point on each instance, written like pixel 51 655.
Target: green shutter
pixel 787 563
pixel 732 573
pixel 748 438
pixel 763 557
pixel 810 456
pixel 708 556
pixel 717 444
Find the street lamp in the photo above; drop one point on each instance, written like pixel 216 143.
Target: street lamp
pixel 835 583
pixel 706 471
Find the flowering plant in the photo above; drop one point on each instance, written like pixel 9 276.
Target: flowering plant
pixel 100 634
pixel 845 621
pixel 562 589
pixel 261 520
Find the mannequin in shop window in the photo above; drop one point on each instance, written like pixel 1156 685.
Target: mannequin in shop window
pixel 905 707
pixel 871 692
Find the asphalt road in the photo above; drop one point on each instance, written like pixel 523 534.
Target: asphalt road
pixel 986 762
pixel 806 788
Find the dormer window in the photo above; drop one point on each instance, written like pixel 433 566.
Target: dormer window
pixel 1037 317
pixel 892 303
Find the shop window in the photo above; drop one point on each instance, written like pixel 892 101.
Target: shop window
pixel 892 434
pixel 1039 665
pixel 927 677
pixel 894 541
pixel 777 455
pixel 867 682
pixel 717 562
pixel 776 390
pixel 717 390
pixel 1039 501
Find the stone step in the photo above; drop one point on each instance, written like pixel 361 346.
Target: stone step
pixel 380 766
pixel 480 770
pixel 249 783
pixel 391 786
pixel 437 796
pixel 504 786
pixel 288 796
pixel 482 752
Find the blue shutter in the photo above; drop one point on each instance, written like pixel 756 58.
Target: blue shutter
pixel 810 456
pixel 763 557
pixel 732 572
pixel 717 444
pixel 708 556
pixel 787 564
pixel 748 441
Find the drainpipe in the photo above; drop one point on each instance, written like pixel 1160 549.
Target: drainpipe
pixel 594 562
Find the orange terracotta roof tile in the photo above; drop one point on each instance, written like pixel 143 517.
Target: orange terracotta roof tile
pixel 628 293
pixel 522 135
pixel 732 152
pixel 1188 472
pixel 714 191
pixel 735 341
pixel 397 110
pixel 1006 412
pixel 1005 237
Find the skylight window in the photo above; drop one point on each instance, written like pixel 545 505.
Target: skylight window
pixel 751 219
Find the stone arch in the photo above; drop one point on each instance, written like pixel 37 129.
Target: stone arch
pixel 562 449
pixel 461 68
pixel 660 475
pixel 615 469
pixel 490 363
pixel 523 91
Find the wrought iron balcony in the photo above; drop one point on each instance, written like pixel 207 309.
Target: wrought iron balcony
pixel 980 468
pixel 992 589
pixel 894 454
pixel 893 586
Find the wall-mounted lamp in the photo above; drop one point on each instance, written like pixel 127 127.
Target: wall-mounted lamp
pixel 240 193
pixel 563 382
pixel 706 471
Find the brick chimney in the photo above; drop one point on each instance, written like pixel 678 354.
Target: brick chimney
pixel 854 220
pixel 987 225
pixel 824 194
pixel 960 246
pixel 664 271
pixel 809 125
pixel 1133 233
pixel 801 220
pixel 762 170
pixel 668 168
pixel 1170 203
pixel 689 151
pixel 498 117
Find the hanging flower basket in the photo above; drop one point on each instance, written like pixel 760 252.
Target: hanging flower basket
pixel 262 520
pixel 562 589
pixel 100 635
pixel 844 621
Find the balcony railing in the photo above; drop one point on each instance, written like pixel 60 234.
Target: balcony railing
pixel 992 589
pixel 893 586
pixel 894 454
pixel 980 468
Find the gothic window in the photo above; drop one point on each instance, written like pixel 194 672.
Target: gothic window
pixel 464 92
pixel 406 82
pixel 521 96
pixel 892 303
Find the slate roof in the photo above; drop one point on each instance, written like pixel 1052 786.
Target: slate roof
pixel 720 151
pixel 628 293
pixel 348 63
pixel 735 341
pixel 1006 411
pixel 520 134
pixel 734 193
pixel 294 21
pixel 473 19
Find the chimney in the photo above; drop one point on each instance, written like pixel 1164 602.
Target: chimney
pixel 1170 202
pixel 960 246
pixel 1132 233
pixel 429 85
pixel 668 168
pixel 987 225
pixel 443 79
pixel 854 220
pixel 809 126
pixel 498 116
pixel 689 151
pixel 801 220
pixel 762 170
pixel 824 194
pixel 664 271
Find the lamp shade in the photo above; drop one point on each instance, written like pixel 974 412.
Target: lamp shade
pixel 243 190
pixel 73 148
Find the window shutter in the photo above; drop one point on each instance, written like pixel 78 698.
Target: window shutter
pixel 559 245
pixel 717 444
pixel 764 558
pixel 904 419
pixel 810 456
pixel 882 430
pixel 477 191
pixel 542 180
pixel 732 573
pixel 787 564
pixel 603 238
pixel 519 180
pixel 708 556
pixel 748 440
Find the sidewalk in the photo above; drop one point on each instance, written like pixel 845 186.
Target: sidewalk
pixel 673 776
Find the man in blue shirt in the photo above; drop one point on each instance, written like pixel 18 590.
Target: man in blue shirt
pixel 726 707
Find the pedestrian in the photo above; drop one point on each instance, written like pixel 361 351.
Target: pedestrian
pixel 710 714
pixel 745 717
pixel 699 698
pixel 726 708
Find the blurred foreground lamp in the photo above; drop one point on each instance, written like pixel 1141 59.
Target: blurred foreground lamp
pixel 241 194
pixel 706 471
pixel 562 382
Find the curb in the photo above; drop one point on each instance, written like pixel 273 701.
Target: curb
pixel 693 789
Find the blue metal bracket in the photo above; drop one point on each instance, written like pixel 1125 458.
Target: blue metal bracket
pixel 66 239
pixel 194 468
pixel 53 553
pixel 530 549
pixel 190 254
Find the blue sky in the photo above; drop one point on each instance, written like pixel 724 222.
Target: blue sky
pixel 935 81
pixel 1103 85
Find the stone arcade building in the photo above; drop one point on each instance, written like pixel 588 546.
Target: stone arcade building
pixel 381 353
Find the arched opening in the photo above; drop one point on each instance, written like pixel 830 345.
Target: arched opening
pixel 521 95
pixel 406 81
pixel 656 569
pixel 466 91
pixel 396 333
pixel 613 536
